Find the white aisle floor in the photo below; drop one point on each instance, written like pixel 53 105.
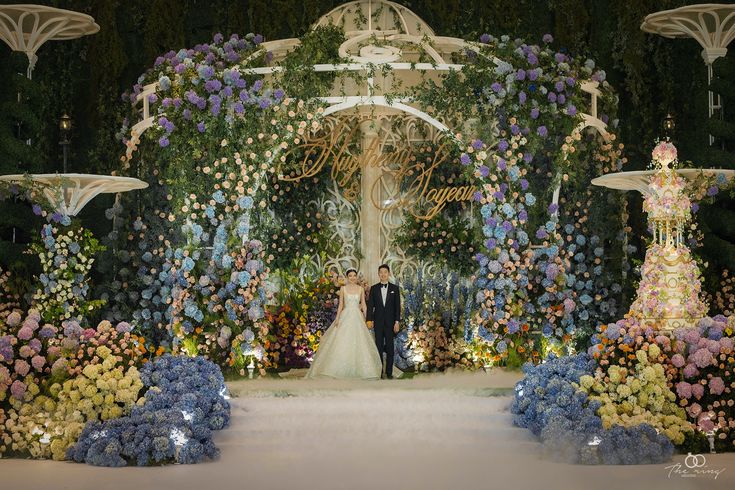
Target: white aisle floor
pixel 433 432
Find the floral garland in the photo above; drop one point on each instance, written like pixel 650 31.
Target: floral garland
pixel 212 280
pixel 530 295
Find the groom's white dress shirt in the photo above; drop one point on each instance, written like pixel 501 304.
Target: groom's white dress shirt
pixel 384 292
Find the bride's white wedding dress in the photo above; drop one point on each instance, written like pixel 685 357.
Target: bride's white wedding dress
pixel 347 349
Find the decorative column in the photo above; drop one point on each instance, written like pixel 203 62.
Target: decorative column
pixel 370 245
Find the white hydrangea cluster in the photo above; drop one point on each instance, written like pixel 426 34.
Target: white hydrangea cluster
pixel 66 259
pixel 643 397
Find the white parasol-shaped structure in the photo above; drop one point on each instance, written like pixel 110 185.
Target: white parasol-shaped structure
pixel 639 180
pixel 712 25
pixel 76 190
pixel 26 27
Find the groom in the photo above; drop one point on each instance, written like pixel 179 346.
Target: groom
pixel 383 314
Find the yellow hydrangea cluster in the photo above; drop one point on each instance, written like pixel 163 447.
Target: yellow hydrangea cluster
pixel 640 397
pixel 102 391
pixel 50 424
pixel 34 429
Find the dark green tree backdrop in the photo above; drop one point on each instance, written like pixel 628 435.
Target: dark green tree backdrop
pixel 85 77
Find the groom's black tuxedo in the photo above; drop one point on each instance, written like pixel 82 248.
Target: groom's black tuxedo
pixel 384 317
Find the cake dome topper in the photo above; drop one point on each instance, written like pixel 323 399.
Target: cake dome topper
pixel 664 155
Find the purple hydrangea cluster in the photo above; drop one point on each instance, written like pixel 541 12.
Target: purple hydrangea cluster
pixel 196 86
pixel 27 350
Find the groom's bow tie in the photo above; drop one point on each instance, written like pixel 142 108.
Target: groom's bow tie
pixel 384 285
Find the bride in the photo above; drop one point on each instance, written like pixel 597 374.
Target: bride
pixel 347 350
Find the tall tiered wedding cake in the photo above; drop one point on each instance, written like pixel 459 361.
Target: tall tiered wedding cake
pixel 669 291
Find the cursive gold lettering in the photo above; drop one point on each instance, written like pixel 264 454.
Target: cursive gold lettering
pixel 400 171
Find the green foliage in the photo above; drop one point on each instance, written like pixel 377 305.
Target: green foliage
pixel 295 226
pixel 19 121
pixel 448 238
pixel 318 46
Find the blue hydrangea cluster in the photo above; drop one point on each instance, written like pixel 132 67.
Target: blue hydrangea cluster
pixel 184 403
pixel 548 403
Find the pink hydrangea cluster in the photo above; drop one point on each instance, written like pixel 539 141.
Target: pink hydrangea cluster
pixel 27 351
pixel 706 361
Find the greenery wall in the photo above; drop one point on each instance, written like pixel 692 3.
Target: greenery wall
pixel 85 77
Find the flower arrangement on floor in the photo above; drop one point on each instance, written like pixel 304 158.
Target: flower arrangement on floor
pixel 173 423
pixel 438 314
pixel 60 379
pixel 302 313
pixel 642 397
pixel 707 383
pixel 27 355
pixel 548 402
pixel 696 365
pixel 54 382
pixel 436 350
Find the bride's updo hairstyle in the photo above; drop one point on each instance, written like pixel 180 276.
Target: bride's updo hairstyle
pixel 347 272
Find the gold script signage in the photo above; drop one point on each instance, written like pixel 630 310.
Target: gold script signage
pixel 400 170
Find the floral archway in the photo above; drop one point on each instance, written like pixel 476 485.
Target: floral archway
pixel 523 266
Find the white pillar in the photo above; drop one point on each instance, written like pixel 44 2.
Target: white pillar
pixel 370 236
